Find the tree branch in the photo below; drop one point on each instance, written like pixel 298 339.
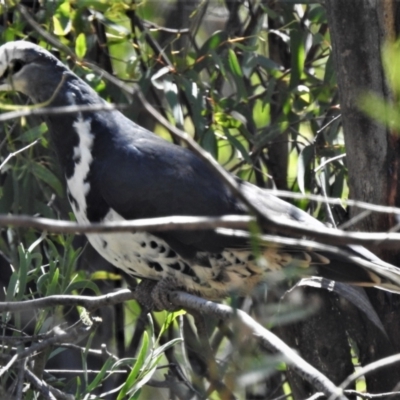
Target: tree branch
pixel 388 240
pixel 262 335
pixel 89 302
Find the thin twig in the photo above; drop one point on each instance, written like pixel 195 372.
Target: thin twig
pixel 354 203
pixel 24 112
pixel 40 385
pixel 8 158
pixel 57 336
pixel 383 362
pixel 89 302
pixel 48 392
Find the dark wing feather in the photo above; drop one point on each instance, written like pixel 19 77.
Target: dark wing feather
pixel 158 178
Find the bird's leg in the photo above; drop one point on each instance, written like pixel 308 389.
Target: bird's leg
pixel 143 294
pixel 153 295
pixel 160 294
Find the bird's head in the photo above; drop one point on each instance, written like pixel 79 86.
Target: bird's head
pixel 29 69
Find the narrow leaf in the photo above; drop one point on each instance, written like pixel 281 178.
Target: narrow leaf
pixel 80 45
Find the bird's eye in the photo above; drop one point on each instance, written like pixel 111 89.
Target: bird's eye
pixel 13 68
pixel 16 66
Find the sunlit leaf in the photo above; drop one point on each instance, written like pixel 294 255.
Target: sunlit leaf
pixel 80 45
pixel 303 174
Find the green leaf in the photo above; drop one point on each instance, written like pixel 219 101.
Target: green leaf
pixel 338 184
pixel 34 133
pixel 149 373
pixel 171 94
pixel 237 74
pixel 303 166
pixel 12 287
pixel 381 111
pixel 45 175
pixel 329 76
pixel 99 377
pixel 83 285
pixel 136 368
pixel 41 283
pixel 391 59
pixel 171 317
pixel 214 42
pixel 80 45
pixel 62 22
pixel 234 64
pixel 238 146
pixel 268 64
pixel 209 143
pixel 298 56
pixel 24 262
pixel 158 352
pixel 53 285
pixel 194 97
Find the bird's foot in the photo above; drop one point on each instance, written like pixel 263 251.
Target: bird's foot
pixel 154 295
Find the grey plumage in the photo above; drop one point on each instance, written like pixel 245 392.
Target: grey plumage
pixel 115 170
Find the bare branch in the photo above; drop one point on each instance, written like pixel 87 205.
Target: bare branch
pixel 152 224
pixel 89 302
pixel 265 337
pixel 388 240
pixel 372 395
pixel 40 385
pixel 24 111
pixel 355 203
pixel 48 392
pixel 57 336
pixel 383 362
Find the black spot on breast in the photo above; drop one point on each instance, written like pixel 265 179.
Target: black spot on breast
pixel 155 265
pixel 250 257
pixel 252 273
pixel 188 271
pixel 162 249
pixel 175 266
pixel 104 244
pixel 153 244
pixel 143 244
pixel 222 277
pixel 203 260
pixel 170 254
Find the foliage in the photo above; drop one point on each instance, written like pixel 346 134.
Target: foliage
pixel 252 83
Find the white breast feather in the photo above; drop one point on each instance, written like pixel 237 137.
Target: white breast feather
pixel 76 184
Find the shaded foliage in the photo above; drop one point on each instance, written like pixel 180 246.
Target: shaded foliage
pixel 254 83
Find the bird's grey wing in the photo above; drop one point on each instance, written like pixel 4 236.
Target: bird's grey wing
pixel 158 179
pixel 187 186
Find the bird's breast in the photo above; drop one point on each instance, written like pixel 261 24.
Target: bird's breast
pixel 143 254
